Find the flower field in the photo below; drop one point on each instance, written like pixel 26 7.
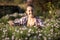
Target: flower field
pixel 50 31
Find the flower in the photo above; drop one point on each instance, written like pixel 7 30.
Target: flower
pixel 7 38
pixel 50 11
pixel 51 30
pixel 34 36
pixel 48 34
pixel 24 28
pixel 29 30
pixel 49 38
pixel 40 34
pixel 12 37
pixel 26 38
pixel 36 31
pixel 13 33
pixel 21 32
pixel 32 32
pixel 19 39
pixel 28 34
pixel 16 30
pixel 4 30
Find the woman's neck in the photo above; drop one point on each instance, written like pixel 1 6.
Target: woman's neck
pixel 31 17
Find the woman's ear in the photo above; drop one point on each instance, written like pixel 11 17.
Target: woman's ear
pixel 25 12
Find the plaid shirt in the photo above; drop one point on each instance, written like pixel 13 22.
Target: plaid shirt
pixel 23 21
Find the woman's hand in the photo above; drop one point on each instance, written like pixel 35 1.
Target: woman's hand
pixel 10 22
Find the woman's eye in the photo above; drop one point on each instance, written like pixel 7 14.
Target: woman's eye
pixel 32 10
pixel 29 10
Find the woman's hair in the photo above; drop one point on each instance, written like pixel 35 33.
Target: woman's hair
pixel 29 6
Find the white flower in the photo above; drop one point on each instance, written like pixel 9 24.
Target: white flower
pixel 4 30
pixel 23 28
pixel 6 38
pixel 49 35
pixel 32 31
pixel 40 34
pixel 29 30
pixel 21 32
pixel 16 38
pixel 19 39
pixel 35 26
pixel 12 37
pixel 51 30
pixel 56 33
pixel 50 11
pixel 44 31
pixel 26 38
pixel 28 34
pixel 49 38
pixel 20 28
pixel 34 36
pixel 41 31
pixel 52 26
pixel 36 31
pixel 17 31
pixel 57 26
pixel 2 23
pixel 48 24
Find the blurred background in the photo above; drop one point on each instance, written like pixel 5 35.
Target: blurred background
pixel 46 8
pixel 16 8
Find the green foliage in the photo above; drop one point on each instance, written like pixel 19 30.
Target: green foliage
pixel 50 31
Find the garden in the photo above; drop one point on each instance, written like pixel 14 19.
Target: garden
pixel 48 12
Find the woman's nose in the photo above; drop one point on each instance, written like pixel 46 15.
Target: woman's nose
pixel 31 12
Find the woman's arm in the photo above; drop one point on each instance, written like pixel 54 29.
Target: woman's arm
pixel 40 23
pixel 17 21
pixel 11 23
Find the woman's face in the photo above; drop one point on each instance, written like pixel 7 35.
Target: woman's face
pixel 29 11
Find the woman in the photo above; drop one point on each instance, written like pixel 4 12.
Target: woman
pixel 29 19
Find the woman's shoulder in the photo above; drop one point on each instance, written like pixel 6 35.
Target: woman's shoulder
pixel 38 18
pixel 24 17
